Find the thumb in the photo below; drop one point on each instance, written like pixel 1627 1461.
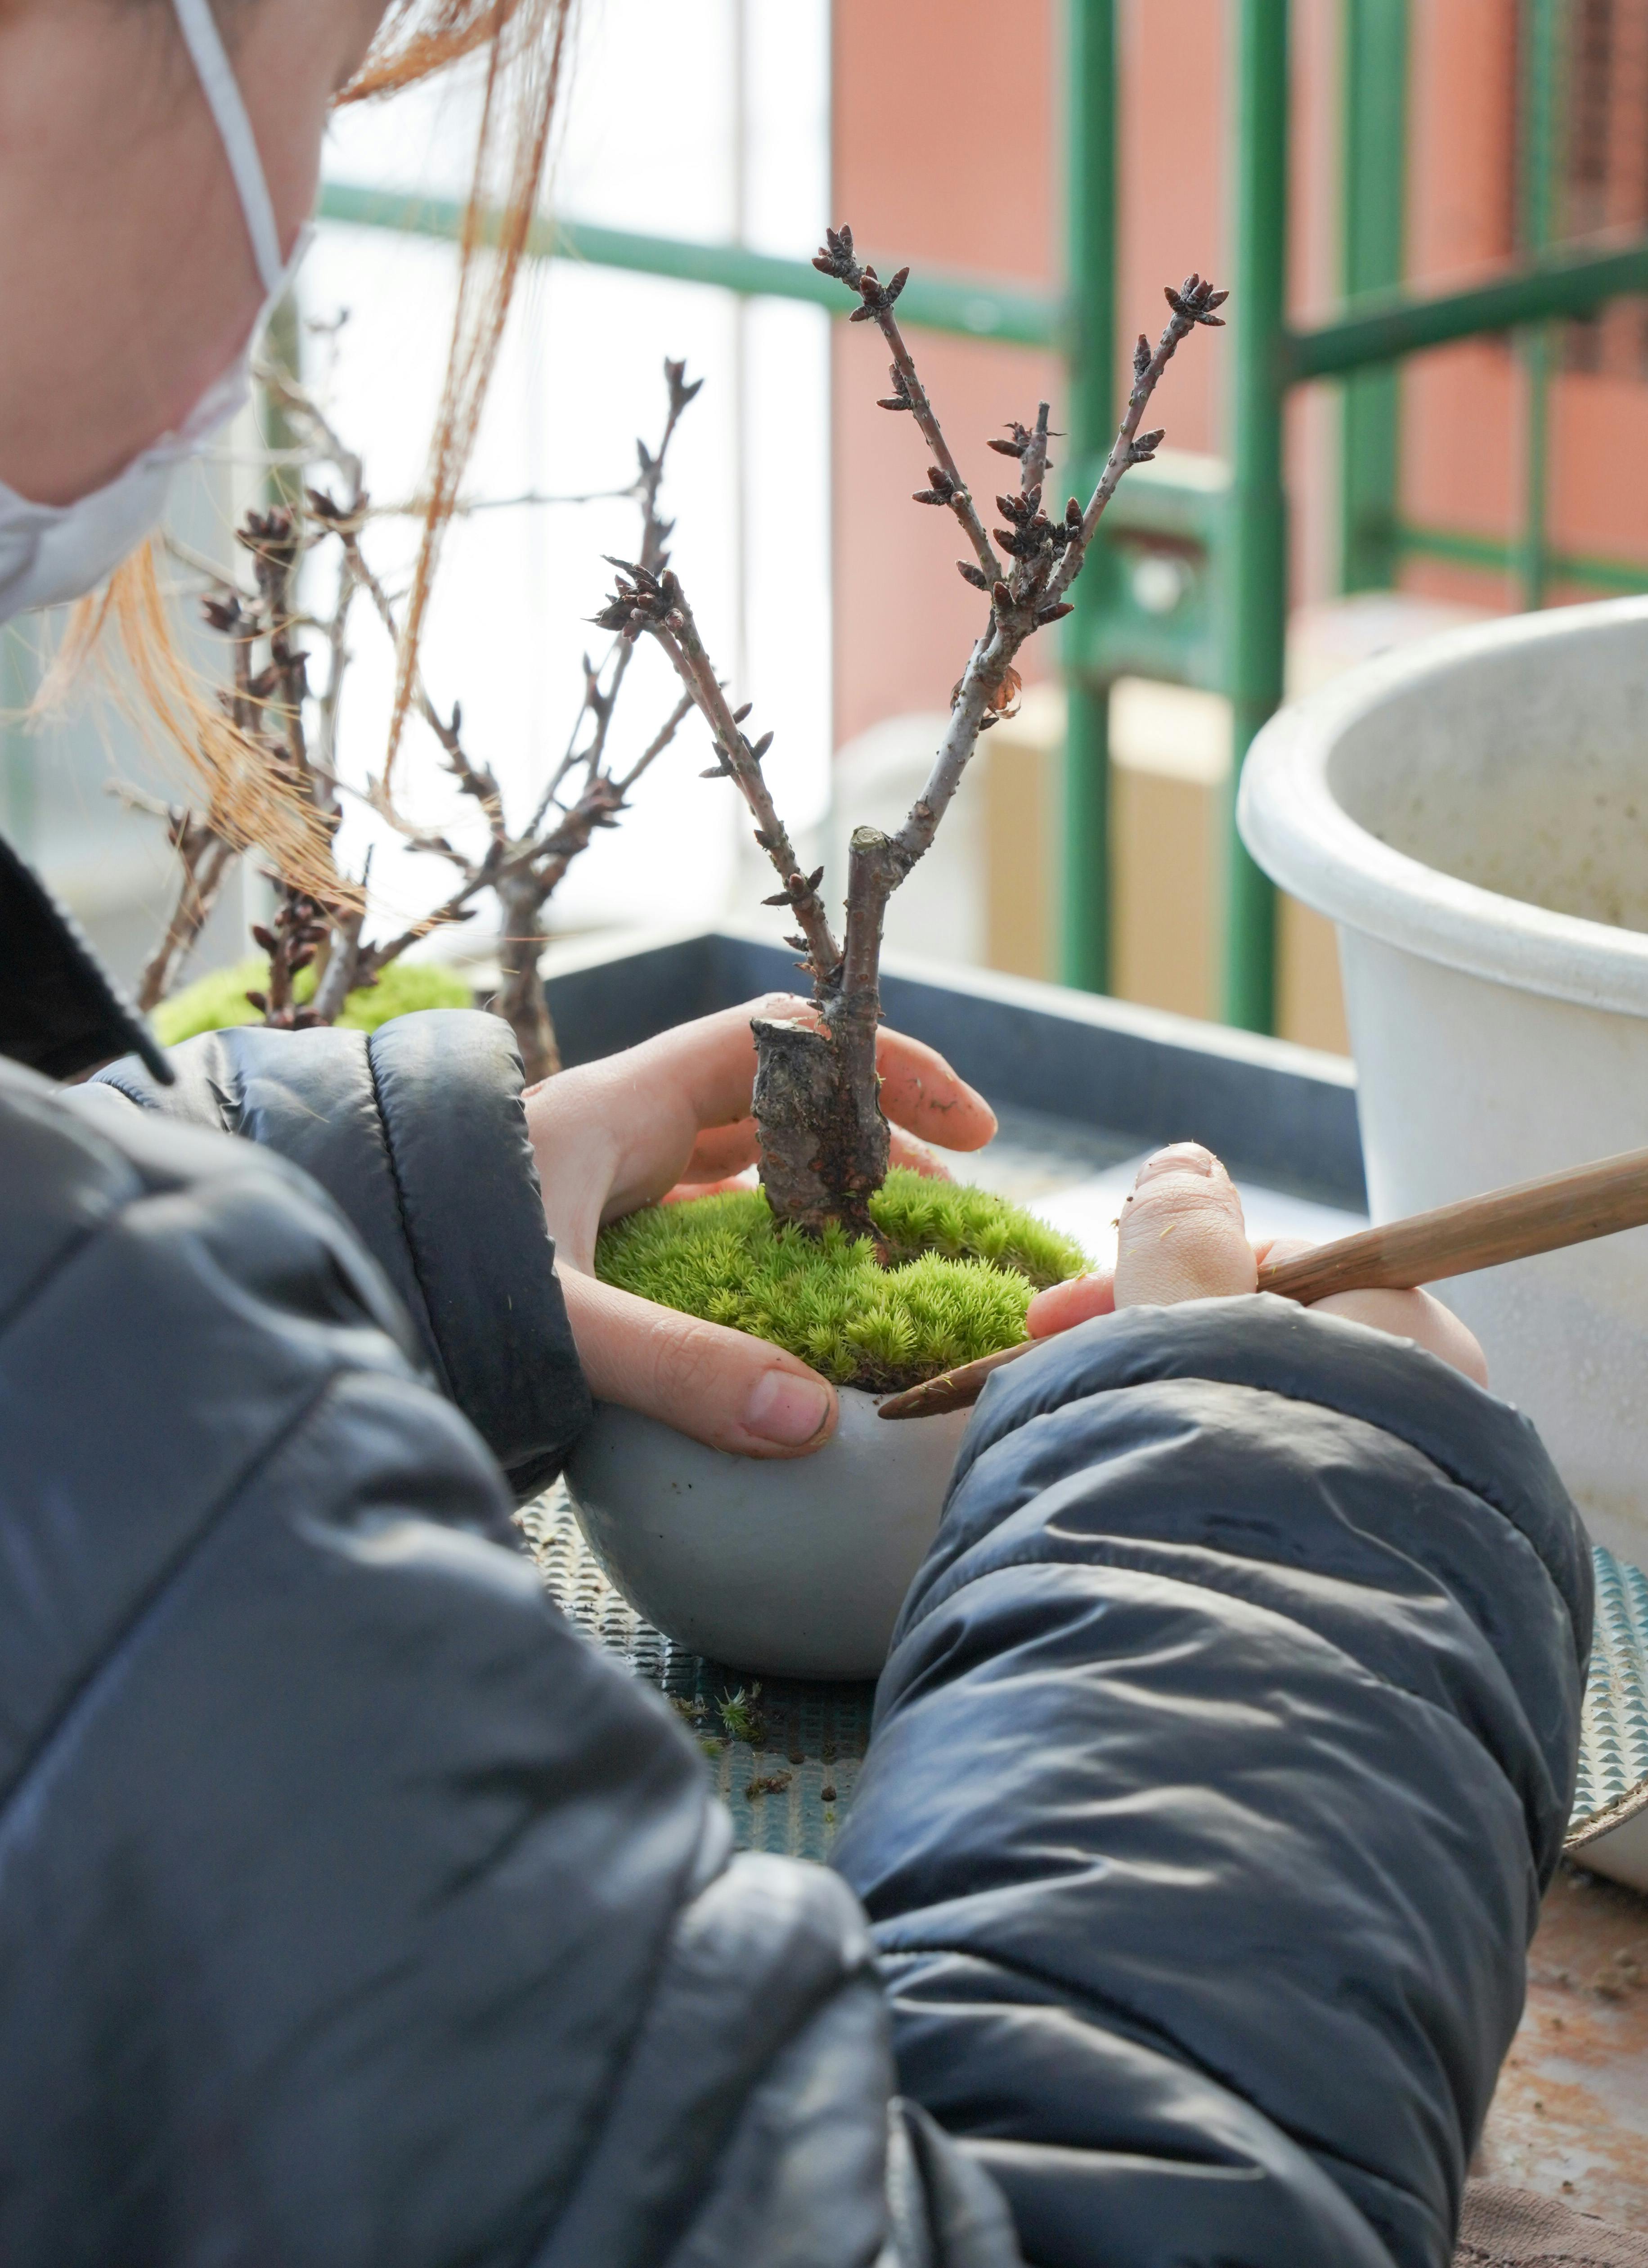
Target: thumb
pixel 1182 1235
pixel 722 1388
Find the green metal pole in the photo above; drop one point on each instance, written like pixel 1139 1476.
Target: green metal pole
pixel 284 345
pixel 1257 553
pixel 17 754
pixel 1533 549
pixel 1374 109
pixel 1541 88
pixel 1084 894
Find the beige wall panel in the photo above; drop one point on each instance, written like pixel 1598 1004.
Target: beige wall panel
pixel 1310 1004
pixel 1161 928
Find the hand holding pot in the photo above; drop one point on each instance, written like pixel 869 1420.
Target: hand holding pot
pixel 672 1116
pixel 1181 1236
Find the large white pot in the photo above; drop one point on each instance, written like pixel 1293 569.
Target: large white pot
pixel 1473 815
pixel 794 1567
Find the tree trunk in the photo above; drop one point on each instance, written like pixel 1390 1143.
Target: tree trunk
pixel 340 970
pixel 207 861
pixel 825 1142
pixel 520 999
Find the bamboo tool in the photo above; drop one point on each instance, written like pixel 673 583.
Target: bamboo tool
pixel 1543 1216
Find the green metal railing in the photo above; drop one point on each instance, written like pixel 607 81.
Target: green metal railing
pixel 1396 324
pixel 1222 523
pixel 972 306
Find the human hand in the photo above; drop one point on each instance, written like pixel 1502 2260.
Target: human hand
pixel 672 1117
pixel 1181 1236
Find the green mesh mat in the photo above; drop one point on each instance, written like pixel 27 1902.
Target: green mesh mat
pixel 783 1757
pixel 1613 1783
pixel 786 1762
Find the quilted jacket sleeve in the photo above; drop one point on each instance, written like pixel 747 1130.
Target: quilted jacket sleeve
pixel 1227 1742
pixel 352 1908
pixel 417 1133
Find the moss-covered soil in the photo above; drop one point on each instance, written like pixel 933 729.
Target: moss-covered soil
pixel 964 1264
pixel 213 1002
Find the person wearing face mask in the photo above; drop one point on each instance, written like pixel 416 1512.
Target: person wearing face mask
pixel 50 552
pixel 351 1907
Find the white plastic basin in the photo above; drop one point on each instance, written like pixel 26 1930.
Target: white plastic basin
pixel 1473 813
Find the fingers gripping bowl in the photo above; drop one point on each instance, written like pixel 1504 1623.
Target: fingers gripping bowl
pixel 799 1567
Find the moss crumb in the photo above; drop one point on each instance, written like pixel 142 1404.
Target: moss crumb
pixel 741 1715
pixel 964 1264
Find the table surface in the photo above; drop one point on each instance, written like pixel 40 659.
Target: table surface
pixel 1571 2116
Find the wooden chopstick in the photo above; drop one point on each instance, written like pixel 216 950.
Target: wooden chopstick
pixel 1512 1224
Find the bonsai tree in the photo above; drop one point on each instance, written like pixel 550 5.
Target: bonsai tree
pixel 280 722
pixel 825 1143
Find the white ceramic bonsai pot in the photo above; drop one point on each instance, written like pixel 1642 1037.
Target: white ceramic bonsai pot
pixel 1473 813
pixel 784 1567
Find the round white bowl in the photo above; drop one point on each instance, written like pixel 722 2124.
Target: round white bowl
pixel 788 1567
pixel 1473 813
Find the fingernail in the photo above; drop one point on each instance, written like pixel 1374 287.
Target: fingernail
pixel 1178 1157
pixel 786 1408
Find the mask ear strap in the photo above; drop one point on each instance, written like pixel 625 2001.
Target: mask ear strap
pixel 215 73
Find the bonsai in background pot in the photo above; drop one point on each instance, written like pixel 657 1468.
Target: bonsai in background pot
pixel 1473 813
pixel 270 744
pixel 801 1567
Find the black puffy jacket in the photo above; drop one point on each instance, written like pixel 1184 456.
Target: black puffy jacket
pixel 354 1909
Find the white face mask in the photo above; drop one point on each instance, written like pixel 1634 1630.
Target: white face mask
pixel 52 552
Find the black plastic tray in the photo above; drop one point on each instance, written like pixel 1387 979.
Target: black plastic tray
pixel 1277 1113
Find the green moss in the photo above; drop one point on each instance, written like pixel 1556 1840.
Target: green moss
pixel 964 1265
pixel 740 1716
pixel 213 1002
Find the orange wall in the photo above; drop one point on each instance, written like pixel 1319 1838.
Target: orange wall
pixel 948 126
pixel 948 134
pixel 916 189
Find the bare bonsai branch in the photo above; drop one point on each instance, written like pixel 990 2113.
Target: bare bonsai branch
pixel 523 869
pixel 343 973
pixel 946 485
pixel 301 406
pixel 299 931
pixel 599 804
pixel 276 545
pixel 1195 302
pixel 206 861
pixel 657 605
pixel 524 879
pixel 1029 444
pixel 348 964
pixel 601 686
pixel 660 741
pixel 1048 556
pixel 206 855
